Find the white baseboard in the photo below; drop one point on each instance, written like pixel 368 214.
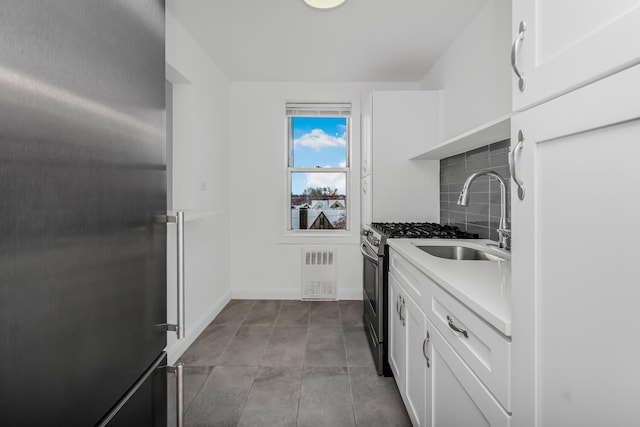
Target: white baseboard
pixel 261 293
pixel 353 294
pixel 179 347
pixel 287 293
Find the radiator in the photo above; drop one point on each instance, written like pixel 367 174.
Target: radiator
pixel 318 273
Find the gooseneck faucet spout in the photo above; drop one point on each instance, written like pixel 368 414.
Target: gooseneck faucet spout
pixel 503 232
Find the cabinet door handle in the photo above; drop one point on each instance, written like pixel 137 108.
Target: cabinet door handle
pixel 512 164
pixel 424 350
pixel 522 81
pixel 398 306
pixel 455 328
pixel 402 312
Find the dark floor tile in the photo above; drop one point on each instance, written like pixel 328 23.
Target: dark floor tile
pixel 274 398
pixel 351 312
pixel 263 313
pixel 325 398
pixel 222 397
pixel 194 378
pixel 325 347
pixel 234 312
pixel 283 395
pixel 358 351
pixel 376 399
pixel 287 347
pixel 325 313
pixel 208 347
pixel 294 313
pixel 247 346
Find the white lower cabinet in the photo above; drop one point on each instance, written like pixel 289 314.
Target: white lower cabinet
pixel 397 334
pixel 417 375
pixel 407 346
pixel 458 398
pixel 437 385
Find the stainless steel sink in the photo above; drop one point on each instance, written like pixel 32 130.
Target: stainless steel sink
pixel 460 253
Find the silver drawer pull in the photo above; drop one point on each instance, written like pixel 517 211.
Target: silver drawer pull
pixel 424 350
pixel 455 328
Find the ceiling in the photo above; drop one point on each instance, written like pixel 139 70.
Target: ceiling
pixel 362 40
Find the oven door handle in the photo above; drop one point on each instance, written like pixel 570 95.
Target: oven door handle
pixel 366 255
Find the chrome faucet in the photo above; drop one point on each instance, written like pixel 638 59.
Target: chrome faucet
pixel 504 240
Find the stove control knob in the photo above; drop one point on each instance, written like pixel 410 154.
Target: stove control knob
pixel 365 232
pixel 376 242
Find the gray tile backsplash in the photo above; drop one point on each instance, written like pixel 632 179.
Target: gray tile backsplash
pixel 483 213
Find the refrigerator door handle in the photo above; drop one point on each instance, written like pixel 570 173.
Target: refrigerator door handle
pixel 178 219
pixel 178 371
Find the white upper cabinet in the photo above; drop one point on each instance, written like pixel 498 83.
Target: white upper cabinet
pixel 365 138
pixel 365 200
pixel 566 44
pixel 402 124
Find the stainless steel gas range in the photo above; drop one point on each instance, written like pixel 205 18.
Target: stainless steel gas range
pixel 375 250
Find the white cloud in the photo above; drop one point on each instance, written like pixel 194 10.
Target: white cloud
pixel 331 180
pixel 318 139
pixel 342 164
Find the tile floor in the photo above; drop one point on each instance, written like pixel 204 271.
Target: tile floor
pixel 287 363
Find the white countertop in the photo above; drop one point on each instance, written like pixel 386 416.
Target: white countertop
pixel 483 286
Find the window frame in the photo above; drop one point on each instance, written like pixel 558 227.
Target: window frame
pixel 290 170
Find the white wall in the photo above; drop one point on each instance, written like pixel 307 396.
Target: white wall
pixel 200 181
pixel 263 263
pixel 474 73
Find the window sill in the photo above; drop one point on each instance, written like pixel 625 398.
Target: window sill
pixel 318 238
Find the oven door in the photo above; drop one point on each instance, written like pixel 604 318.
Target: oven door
pixel 373 295
pixel 371 282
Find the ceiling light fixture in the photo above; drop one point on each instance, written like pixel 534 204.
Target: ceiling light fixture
pixel 324 4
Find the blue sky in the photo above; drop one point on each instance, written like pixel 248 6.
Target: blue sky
pixel 319 141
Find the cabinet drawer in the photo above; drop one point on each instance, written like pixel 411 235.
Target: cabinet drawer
pixel 458 397
pixel 415 283
pixel 485 350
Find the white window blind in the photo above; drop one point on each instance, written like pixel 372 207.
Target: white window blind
pixel 339 109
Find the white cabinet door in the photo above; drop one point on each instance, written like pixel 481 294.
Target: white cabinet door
pixel 397 334
pixel 458 397
pixel 575 258
pixel 569 43
pixel 365 138
pixel 417 378
pixel 365 200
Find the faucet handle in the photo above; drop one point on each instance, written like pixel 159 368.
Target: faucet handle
pixel 505 231
pixel 505 238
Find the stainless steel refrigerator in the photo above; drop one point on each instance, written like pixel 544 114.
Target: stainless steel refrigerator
pixel 82 193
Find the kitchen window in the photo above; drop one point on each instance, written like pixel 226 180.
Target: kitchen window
pixel 318 166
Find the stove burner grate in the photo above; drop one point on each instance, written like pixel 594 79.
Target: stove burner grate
pixel 421 230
